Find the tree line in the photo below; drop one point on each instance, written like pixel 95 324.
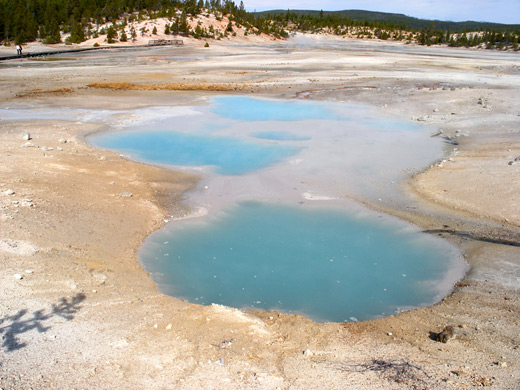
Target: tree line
pixel 366 24
pixel 28 20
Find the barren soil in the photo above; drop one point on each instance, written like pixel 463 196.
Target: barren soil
pixel 77 310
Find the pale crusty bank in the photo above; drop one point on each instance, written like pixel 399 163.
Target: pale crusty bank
pixel 77 311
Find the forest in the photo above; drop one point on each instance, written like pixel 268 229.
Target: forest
pixel 24 21
pixel 28 20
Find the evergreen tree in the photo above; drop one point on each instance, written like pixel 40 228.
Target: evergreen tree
pixel 111 34
pixel 77 33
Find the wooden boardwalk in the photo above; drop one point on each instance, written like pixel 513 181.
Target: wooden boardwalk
pixel 157 42
pixel 164 42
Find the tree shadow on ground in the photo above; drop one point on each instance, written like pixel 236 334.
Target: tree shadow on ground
pixel 13 326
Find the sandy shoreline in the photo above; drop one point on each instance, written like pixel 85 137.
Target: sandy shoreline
pixel 77 310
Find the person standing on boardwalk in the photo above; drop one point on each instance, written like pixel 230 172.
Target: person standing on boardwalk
pixel 19 50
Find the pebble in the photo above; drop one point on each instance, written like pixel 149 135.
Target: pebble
pixel 307 352
pixel 126 194
pixel 102 158
pixel 459 373
pixel 18 276
pixel 59 148
pixel 168 327
pixel 27 136
pixel 9 192
pixel 62 141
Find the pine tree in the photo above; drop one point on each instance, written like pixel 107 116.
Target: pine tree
pixel 111 34
pixel 77 33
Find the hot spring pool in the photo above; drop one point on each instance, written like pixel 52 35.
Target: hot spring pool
pixel 266 242
pixel 326 263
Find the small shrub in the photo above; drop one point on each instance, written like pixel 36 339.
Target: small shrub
pixel 96 44
pixel 206 44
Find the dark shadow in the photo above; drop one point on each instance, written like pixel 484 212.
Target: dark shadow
pixel 513 241
pixel 434 336
pixel 14 325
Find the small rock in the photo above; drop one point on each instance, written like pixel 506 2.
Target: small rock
pixel 9 192
pixel 484 381
pixel 511 163
pixel 59 148
pixel 435 110
pixel 30 145
pixel 62 141
pixel 445 335
pixel 112 183
pixel 389 334
pixel 47 148
pixel 18 276
pixel 102 158
pixel 26 136
pixel 168 327
pixel 307 352
pixel 459 373
pixel 126 194
pixel 27 203
pixel 29 271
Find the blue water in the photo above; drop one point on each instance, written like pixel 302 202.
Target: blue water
pixel 230 156
pixel 327 264
pixel 252 109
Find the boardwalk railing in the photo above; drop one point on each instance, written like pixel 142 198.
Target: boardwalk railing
pixel 159 42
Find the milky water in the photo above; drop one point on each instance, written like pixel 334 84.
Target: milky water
pixel 230 156
pixel 276 231
pixel 279 234
pixel 327 263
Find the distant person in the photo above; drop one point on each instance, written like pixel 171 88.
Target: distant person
pixel 18 50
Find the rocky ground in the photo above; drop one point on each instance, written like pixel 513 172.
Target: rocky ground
pixel 77 310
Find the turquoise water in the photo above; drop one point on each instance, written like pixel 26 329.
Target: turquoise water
pixel 252 109
pixel 325 263
pixel 230 156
